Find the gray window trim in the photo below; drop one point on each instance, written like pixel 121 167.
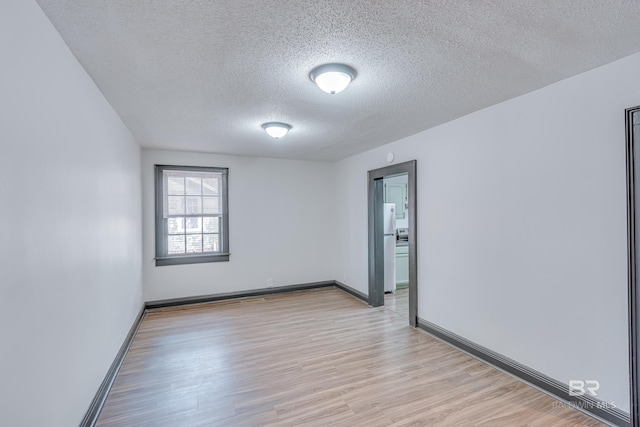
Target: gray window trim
pixel 161 240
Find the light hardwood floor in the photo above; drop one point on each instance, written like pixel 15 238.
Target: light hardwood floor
pixel 313 358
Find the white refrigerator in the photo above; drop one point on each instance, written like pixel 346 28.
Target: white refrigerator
pixel 389 230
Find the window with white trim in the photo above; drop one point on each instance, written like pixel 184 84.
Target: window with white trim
pixel 192 221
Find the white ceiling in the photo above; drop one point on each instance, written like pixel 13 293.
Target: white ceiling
pixel 203 75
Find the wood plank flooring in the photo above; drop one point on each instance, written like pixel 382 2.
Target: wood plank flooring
pixel 313 358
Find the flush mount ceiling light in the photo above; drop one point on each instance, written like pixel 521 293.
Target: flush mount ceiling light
pixel 332 78
pixel 276 129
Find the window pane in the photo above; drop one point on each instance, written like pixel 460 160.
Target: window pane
pixel 175 245
pixel 211 205
pixel 194 185
pixel 194 243
pixel 211 242
pixel 176 205
pixel 194 205
pixel 176 225
pixel 194 225
pixel 210 186
pixel 211 225
pixel 191 204
pixel 175 185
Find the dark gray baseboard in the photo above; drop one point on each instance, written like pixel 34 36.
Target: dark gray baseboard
pixel 173 302
pixel 348 289
pixel 587 404
pixel 92 414
pixel 202 299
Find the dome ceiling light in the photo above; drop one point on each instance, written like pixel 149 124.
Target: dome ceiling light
pixel 332 78
pixel 276 129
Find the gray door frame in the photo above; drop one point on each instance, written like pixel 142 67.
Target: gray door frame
pixel 376 238
pixel 633 292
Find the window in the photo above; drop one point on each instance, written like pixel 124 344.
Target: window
pixel 192 223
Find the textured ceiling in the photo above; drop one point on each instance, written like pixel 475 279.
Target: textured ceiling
pixel 203 75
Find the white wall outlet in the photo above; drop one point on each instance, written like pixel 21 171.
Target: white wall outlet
pixel 344 277
pixel 269 283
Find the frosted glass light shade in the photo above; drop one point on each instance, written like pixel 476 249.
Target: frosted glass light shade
pixel 333 82
pixel 333 78
pixel 276 129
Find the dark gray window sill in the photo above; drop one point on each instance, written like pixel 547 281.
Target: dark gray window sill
pixel 191 259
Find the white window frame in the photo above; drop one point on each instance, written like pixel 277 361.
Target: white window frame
pixel 162 257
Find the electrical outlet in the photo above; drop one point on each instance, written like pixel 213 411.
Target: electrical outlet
pixel 269 283
pixel 344 277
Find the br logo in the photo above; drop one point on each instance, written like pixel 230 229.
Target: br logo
pixel 580 388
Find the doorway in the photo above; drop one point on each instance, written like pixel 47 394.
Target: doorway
pixel 633 243
pixel 376 235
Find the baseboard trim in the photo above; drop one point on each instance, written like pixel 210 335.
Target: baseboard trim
pixel 348 289
pixel 92 414
pixel 174 302
pixel 587 404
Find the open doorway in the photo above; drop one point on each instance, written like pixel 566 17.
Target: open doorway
pixel 633 221
pixel 376 203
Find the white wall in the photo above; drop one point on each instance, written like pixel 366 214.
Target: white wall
pixel 281 221
pixel 521 226
pixel 70 233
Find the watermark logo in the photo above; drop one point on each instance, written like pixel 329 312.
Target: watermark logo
pixel 582 387
pixel 585 388
pixel 589 406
